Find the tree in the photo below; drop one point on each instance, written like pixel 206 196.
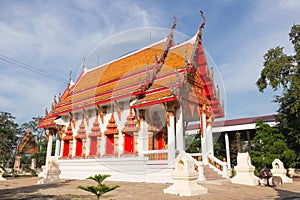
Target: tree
pixel 100 188
pixel 219 148
pixel 8 134
pixel 193 143
pixel 282 73
pixel 269 144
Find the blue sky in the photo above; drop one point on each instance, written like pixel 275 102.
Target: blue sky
pixel 55 36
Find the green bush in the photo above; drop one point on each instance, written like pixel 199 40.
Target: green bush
pixel 100 188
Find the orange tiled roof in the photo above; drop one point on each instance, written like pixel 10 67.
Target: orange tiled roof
pixel 47 121
pixel 118 68
pixel 122 77
pixel 154 96
pixel 176 55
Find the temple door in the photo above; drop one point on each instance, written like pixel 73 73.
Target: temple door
pixel 78 147
pixel 66 148
pixel 93 146
pixel 128 144
pixel 159 141
pixel 110 144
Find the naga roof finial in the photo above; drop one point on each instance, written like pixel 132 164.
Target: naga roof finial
pixel 174 23
pixel 199 36
pixel 54 100
pixel 173 26
pixel 83 65
pixel 70 76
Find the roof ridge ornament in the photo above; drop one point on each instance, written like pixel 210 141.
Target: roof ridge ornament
pixel 54 100
pixel 59 98
pixel 71 83
pixel 83 65
pixel 199 35
pixel 159 62
pixel 173 26
pixel 70 76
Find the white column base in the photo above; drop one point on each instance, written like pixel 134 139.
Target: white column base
pixel 50 173
pixel 245 177
pixel 185 188
pixel 282 174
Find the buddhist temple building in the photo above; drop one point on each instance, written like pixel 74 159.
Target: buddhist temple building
pixel 128 117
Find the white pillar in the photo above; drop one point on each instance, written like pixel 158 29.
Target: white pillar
pixel 227 150
pixel 143 133
pixel 61 148
pixel 143 137
pixel 57 147
pixel 180 139
pixel 49 149
pixel 121 144
pixel 102 144
pixel 203 138
pixel 201 176
pixel 209 138
pixel 171 138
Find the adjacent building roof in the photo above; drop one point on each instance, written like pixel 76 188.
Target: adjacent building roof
pixel 237 124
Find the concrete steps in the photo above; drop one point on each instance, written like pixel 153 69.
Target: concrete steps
pixel 211 174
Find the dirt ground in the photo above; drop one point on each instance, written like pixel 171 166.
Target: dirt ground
pixel 26 188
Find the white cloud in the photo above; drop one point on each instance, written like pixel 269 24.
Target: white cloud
pixel 290 4
pixel 54 36
pixel 260 31
pixel 25 97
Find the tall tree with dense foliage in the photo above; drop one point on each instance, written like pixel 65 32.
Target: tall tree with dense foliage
pixel 282 73
pixel 8 138
pixel 269 144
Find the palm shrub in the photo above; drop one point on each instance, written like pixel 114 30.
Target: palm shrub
pixel 100 188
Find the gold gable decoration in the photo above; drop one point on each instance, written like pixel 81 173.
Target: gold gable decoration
pixel 28 144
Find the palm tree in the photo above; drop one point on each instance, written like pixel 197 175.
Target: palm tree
pixel 100 188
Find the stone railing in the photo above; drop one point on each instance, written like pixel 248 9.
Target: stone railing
pixel 198 165
pixel 218 164
pixel 156 156
pixel 196 156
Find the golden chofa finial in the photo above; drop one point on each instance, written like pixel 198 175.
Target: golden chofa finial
pixel 199 36
pixel 54 100
pixel 173 26
pixel 174 23
pixel 70 76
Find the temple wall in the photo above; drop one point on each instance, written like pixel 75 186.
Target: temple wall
pixel 133 169
pixel 121 112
